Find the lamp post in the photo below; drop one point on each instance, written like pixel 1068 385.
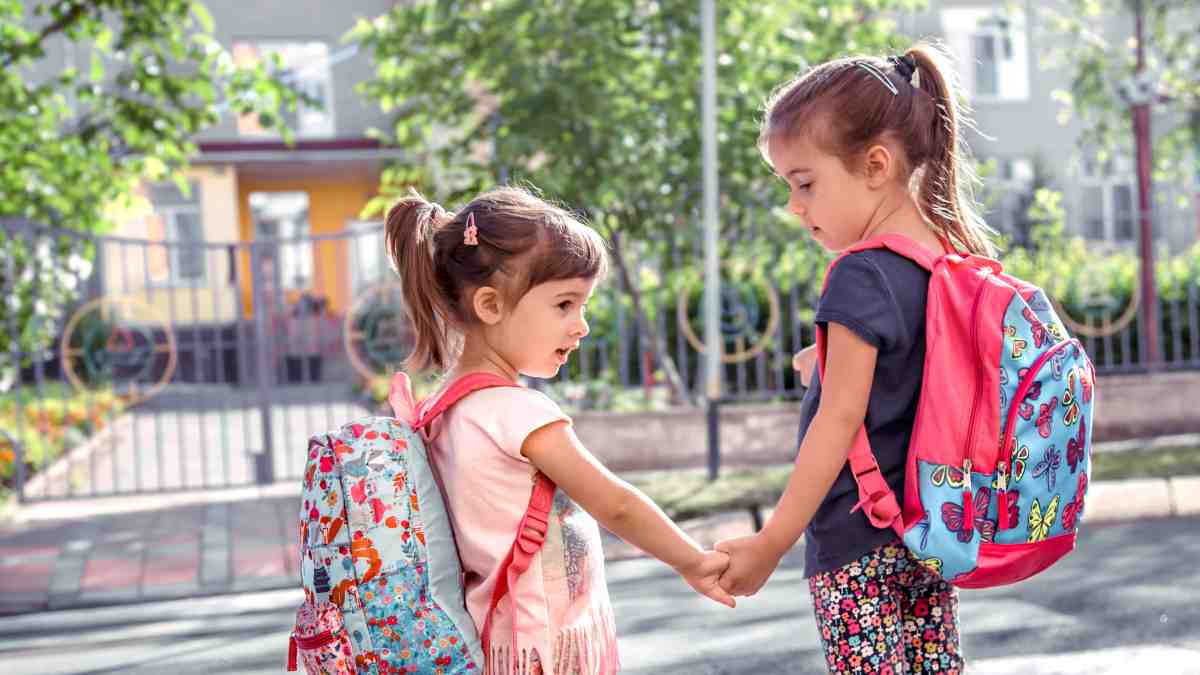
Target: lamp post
pixel 1139 93
pixel 712 279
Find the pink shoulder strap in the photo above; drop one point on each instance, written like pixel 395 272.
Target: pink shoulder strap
pixel 535 524
pixel 875 496
pixel 457 391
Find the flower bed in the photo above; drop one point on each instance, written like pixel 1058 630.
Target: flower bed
pixel 50 422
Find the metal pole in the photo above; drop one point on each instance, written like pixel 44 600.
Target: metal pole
pixel 264 462
pixel 1148 335
pixel 712 279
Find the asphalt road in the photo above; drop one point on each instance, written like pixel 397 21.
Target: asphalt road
pixel 1127 601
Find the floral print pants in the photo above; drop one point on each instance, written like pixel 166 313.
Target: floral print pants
pixel 886 613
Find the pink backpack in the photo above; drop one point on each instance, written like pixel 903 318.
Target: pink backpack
pixel 999 458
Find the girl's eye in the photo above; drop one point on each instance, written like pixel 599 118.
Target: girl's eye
pixel 564 305
pixel 804 187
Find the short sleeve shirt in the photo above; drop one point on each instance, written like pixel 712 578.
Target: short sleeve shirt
pixel 881 297
pixel 562 604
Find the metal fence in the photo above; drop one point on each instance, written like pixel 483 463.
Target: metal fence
pixel 763 329
pixel 180 365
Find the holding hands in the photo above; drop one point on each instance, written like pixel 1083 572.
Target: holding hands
pixel 752 559
pixel 704 573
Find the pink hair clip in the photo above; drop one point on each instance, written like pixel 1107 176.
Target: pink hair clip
pixel 471 233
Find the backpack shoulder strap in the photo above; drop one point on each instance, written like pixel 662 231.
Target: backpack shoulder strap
pixel 457 391
pixel 876 497
pixel 531 535
pixel 899 244
pixel 534 525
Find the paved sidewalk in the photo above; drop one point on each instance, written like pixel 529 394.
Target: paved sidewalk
pixel 1126 601
pixel 74 554
pixel 93 553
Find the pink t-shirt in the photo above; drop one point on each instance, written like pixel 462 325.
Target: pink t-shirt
pixel 564 619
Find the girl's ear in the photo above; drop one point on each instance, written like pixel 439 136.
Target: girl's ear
pixel 488 304
pixel 879 166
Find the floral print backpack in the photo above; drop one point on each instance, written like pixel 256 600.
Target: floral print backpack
pixel 381 574
pixel 1000 453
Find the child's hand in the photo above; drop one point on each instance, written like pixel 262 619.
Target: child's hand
pixel 704 574
pixel 751 562
pixel 803 363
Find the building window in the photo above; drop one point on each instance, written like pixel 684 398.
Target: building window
pixel 991 51
pixel 281 220
pixel 306 65
pixel 1108 198
pixel 368 263
pixel 177 221
pixel 185 228
pixel 1009 193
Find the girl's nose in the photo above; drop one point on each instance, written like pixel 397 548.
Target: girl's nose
pixel 582 329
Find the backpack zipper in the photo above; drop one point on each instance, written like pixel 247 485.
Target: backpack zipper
pixel 315 641
pixel 978 369
pixel 1023 389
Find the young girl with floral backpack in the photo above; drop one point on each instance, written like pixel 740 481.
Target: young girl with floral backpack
pixel 498 290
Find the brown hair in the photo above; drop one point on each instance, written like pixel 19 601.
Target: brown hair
pixel 523 241
pixel 844 106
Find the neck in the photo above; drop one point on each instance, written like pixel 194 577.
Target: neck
pixel 479 357
pixel 897 214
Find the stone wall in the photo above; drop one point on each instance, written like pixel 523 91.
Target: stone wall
pixel 1128 406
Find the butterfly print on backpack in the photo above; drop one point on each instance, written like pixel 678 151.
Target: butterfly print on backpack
pixel 958 522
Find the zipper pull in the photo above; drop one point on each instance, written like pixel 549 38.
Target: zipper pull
pixel 1002 475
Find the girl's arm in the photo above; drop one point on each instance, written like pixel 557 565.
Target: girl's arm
pixel 849 370
pixel 622 509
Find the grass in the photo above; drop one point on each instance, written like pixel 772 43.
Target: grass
pixel 688 493
pixel 1156 463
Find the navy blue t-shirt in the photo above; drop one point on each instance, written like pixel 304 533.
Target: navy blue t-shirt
pixel 880 296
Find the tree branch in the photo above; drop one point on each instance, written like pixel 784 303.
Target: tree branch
pixel 65 21
pixel 644 324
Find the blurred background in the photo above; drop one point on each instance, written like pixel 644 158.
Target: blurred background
pixel 193 278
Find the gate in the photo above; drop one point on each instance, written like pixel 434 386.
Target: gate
pixel 145 365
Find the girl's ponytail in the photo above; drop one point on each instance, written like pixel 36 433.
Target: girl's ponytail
pixel 409 238
pixel 946 194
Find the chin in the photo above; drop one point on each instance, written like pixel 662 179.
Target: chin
pixel 541 373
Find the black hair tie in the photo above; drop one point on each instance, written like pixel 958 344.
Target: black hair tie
pixel 904 65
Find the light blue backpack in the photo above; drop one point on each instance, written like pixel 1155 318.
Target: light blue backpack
pixel 382 580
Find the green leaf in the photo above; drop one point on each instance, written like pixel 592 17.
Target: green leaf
pixel 200 11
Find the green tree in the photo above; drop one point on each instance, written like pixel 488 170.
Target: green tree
pixel 1094 41
pixel 75 142
pixel 597 103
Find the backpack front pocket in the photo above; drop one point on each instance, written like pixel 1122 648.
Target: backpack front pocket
pixel 320 642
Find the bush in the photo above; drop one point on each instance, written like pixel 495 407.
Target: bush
pixel 50 424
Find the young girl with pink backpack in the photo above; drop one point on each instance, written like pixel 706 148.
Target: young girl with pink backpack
pixel 946 438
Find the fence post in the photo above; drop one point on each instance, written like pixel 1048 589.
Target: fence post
pixel 713 414
pixel 264 462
